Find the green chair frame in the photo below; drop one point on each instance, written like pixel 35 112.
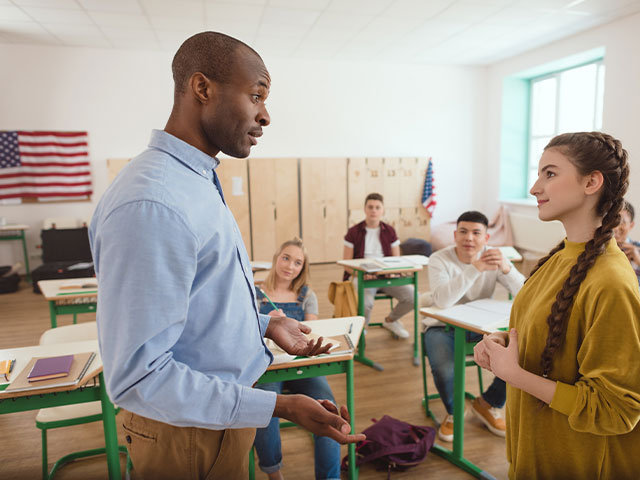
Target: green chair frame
pixel 44 426
pixel 469 363
pixel 382 296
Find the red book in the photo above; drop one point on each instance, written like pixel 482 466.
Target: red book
pixel 51 367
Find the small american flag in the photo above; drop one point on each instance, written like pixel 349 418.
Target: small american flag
pixel 428 193
pixel 44 165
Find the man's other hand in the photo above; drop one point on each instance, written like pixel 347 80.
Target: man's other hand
pixel 321 417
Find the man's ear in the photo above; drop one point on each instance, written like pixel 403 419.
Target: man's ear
pixel 487 237
pixel 594 182
pixel 201 88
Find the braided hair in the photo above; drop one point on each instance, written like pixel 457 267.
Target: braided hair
pixel 588 152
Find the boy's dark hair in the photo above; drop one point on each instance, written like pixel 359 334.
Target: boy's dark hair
pixel 629 208
pixel 374 196
pixel 473 216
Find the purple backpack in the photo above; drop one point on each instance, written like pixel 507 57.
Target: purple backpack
pixel 393 444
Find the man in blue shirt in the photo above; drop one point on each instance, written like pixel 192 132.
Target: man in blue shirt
pixel 180 334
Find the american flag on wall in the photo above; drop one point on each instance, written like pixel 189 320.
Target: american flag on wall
pixel 44 165
pixel 428 193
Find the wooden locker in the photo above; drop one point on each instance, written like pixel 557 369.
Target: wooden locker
pixel 357 185
pixel 355 216
pixel 335 224
pixel 273 185
pixel 312 206
pixel 375 177
pixel 423 224
pixel 114 165
pixel 233 176
pixel 409 168
pixel 392 182
pixel 406 223
pixel 392 217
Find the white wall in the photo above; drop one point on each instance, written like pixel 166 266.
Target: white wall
pixel 318 108
pixel 621 115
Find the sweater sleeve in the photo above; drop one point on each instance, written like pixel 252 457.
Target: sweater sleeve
pixel 512 281
pixel 605 400
pixel 449 287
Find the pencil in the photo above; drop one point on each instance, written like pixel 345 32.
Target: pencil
pixel 267 297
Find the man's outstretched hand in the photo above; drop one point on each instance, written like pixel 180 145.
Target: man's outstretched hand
pixel 321 417
pixel 289 334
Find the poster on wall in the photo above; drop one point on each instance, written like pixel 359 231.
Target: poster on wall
pixel 44 166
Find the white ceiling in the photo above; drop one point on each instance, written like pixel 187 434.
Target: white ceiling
pixel 469 32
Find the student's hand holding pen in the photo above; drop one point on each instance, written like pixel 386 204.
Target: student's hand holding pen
pixel 289 334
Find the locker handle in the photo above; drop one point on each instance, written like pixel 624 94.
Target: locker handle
pixel 324 213
pixel 275 213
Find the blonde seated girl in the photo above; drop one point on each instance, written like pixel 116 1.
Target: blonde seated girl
pixel 571 360
pixel 287 286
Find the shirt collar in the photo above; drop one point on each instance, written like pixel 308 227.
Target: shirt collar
pixel 190 156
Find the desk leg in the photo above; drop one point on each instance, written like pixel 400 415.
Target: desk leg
pixel 26 256
pixel 110 433
pixel 52 313
pixel 353 470
pixel 458 392
pixel 416 359
pixel 360 356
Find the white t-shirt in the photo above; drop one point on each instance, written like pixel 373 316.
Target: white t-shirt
pixel 372 245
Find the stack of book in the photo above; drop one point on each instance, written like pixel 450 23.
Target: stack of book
pixel 52 372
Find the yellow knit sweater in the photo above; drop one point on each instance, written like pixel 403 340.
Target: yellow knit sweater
pixel 591 429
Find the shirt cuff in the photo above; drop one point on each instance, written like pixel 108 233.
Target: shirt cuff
pixel 348 244
pixel 263 320
pixel 396 243
pixel 565 397
pixel 255 409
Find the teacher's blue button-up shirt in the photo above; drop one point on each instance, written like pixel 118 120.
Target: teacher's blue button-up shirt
pixel 179 331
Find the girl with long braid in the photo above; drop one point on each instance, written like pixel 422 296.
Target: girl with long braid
pixel 571 359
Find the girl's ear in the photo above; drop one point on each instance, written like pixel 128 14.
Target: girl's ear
pixel 594 182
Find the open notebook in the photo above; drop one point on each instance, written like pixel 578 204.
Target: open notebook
pixel 486 314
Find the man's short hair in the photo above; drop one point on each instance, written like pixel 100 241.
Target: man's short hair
pixel 473 216
pixel 629 208
pixel 211 53
pixel 374 196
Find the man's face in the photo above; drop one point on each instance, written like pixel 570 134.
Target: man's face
pixel 470 237
pixel 373 210
pixel 621 232
pixel 233 122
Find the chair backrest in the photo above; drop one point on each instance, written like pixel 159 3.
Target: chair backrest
pixel 60 222
pixel 70 333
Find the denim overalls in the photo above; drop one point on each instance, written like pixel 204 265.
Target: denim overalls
pixel 267 442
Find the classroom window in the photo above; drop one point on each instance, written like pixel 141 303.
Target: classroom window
pixel 569 100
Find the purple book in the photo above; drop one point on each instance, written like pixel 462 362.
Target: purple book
pixel 51 367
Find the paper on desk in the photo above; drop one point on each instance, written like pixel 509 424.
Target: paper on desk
pixel 480 318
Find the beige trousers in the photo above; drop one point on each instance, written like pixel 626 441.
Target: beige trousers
pixel 161 451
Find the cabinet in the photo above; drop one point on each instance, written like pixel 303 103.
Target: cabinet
pixel 274 203
pixel 233 176
pixel 323 206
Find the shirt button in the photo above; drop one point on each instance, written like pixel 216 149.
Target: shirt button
pixel 204 172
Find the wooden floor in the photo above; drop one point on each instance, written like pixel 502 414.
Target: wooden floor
pixel 397 392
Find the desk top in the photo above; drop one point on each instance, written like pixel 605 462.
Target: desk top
pixel 24 354
pixel 406 264
pixel 258 266
pixel 327 328
pixel 479 316
pixel 9 228
pixel 69 288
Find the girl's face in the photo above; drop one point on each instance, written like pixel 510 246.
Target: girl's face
pixel 289 263
pixel 560 189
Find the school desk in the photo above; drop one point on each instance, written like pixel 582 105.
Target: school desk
pixel 16 232
pixel 407 275
pixel 320 366
pixel 462 320
pixel 70 296
pixel 87 390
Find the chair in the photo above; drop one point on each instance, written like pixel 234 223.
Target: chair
pixel 469 363
pixel 382 296
pixel 68 415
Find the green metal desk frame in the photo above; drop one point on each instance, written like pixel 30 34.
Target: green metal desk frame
pixel 70 309
pixel 455 456
pixel 23 238
pixel 317 370
pixel 379 283
pixel 79 395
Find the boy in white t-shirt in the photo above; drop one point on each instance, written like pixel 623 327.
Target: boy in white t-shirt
pixel 461 273
pixel 372 238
